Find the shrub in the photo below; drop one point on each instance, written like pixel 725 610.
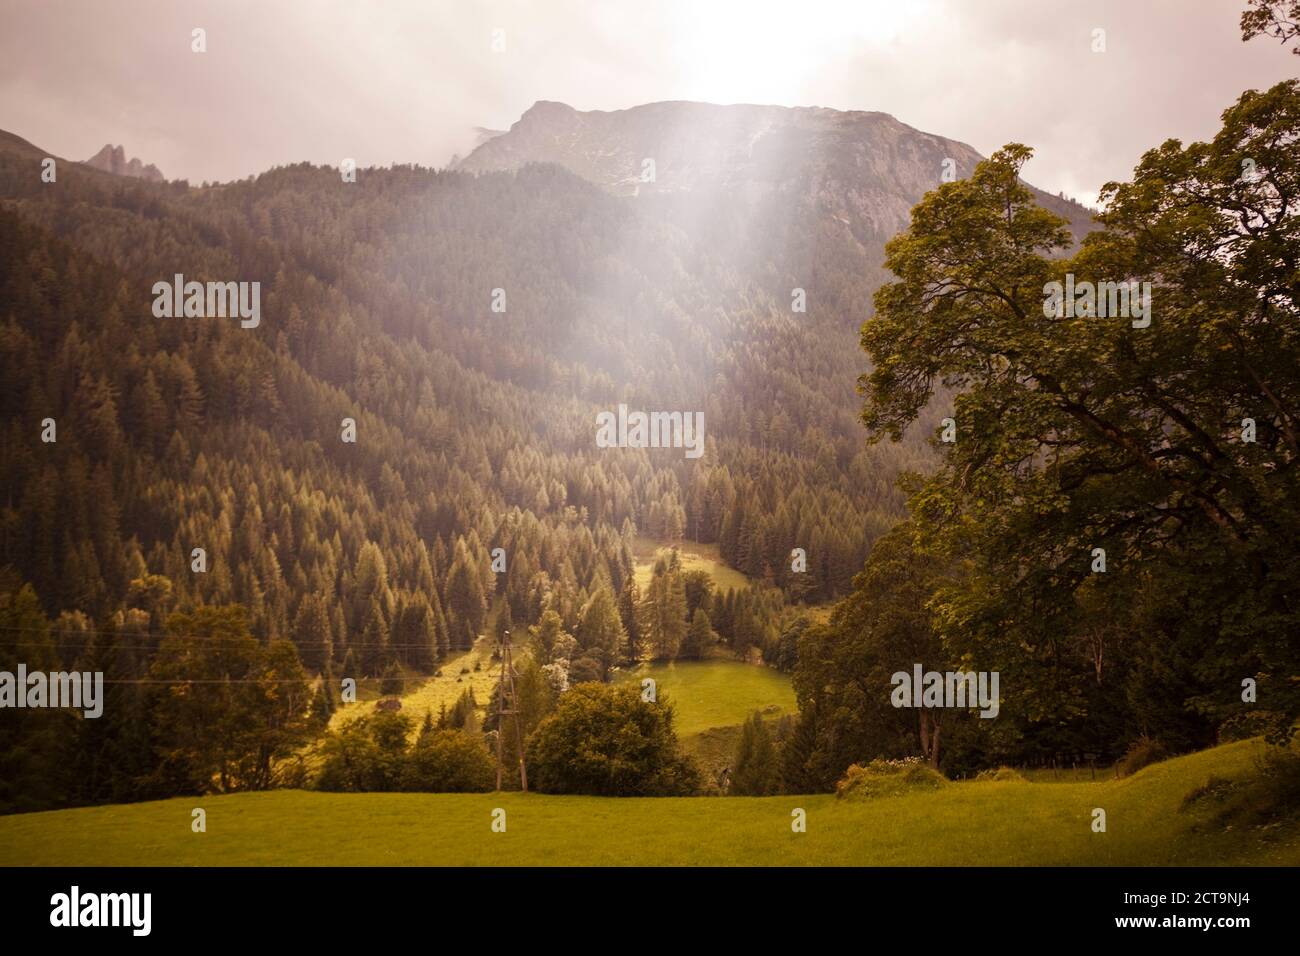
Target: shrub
pixel 585 670
pixel 1002 775
pixel 887 778
pixel 1268 797
pixel 1141 753
pixel 1213 790
pixel 371 754
pixel 1251 723
pixel 367 753
pixel 449 761
pixel 603 740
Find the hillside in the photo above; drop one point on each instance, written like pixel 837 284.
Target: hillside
pixel 976 823
pixel 374 290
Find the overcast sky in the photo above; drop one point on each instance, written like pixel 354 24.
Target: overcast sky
pixel 407 80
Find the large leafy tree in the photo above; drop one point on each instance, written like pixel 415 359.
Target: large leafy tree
pixel 1077 433
pixel 604 740
pixel 227 708
pixel 845 667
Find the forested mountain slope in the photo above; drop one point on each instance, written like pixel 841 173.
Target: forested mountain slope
pixel 475 426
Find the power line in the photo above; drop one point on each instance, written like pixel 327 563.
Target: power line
pixel 208 642
pixel 163 635
pixel 240 680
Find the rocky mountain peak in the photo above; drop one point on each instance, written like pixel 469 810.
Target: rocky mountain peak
pixel 864 168
pixel 113 159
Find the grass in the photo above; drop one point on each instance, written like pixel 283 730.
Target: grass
pixel 717 693
pixel 429 693
pixel 972 823
pixel 694 557
pixel 1073 774
pixel 712 750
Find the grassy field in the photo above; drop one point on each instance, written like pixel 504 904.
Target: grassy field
pixel 973 823
pixel 694 557
pixel 711 699
pixel 429 693
pixel 717 693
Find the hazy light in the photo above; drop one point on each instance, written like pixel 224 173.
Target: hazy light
pixel 733 51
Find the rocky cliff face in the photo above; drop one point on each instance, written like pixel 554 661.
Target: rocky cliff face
pixel 865 169
pixel 112 159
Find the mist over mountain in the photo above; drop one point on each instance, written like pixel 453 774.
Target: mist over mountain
pixel 864 169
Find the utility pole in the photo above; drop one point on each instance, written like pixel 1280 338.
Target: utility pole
pixel 506 689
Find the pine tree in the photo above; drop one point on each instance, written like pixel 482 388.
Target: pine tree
pixel 322 707
pixel 374 640
pixel 797 774
pixel 629 602
pixel 699 637
pixel 349 668
pixel 311 633
pixel 392 683
pixel 673 616
pixel 504 621
pixel 600 632
pixel 464 600
pixel 755 770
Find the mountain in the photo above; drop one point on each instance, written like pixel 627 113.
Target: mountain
pixel 733 282
pixel 790 197
pixel 112 159
pixel 476 426
pixel 865 169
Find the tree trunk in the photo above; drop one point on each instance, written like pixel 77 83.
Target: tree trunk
pixel 930 730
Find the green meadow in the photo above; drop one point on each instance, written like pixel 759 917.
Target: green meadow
pixel 963 824
pixel 711 699
pixel 716 693
pixel 694 557
pixel 473 669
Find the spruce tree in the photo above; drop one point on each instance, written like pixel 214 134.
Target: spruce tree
pixel 755 771
pixel 699 637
